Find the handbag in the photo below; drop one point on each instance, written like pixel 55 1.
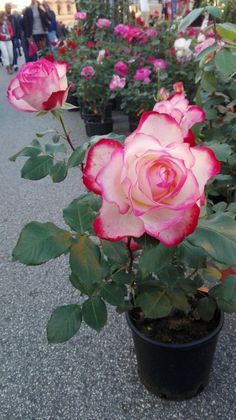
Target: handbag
pixel 32 48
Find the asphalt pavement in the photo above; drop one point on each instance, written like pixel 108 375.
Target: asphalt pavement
pixel 91 377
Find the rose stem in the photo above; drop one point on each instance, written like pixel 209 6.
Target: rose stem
pixel 65 132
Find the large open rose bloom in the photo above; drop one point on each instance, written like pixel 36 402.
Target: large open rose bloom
pixel 39 86
pixel 154 183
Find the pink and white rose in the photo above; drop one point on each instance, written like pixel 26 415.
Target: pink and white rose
pixel 159 64
pixel 203 45
pixel 39 86
pixel 177 106
pixel 121 68
pixel 117 83
pixel 142 75
pixel 103 23
pixel 154 183
pixel 88 72
pixel 81 16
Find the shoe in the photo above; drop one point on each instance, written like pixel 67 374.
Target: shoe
pixel 15 67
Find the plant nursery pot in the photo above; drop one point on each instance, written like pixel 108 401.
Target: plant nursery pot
pixel 71 99
pixel 133 122
pixel 175 371
pixel 94 128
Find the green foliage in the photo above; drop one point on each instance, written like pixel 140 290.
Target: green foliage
pixel 37 167
pixel 116 252
pixel 77 156
pixel 225 62
pixel 225 294
pixel 95 313
pixel 217 237
pixel 153 260
pixel 41 242
pixel 113 293
pixel 79 215
pixel 64 323
pixel 190 18
pixel 206 308
pixel 58 172
pixel 32 150
pixel 154 304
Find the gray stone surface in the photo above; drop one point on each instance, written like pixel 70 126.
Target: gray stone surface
pixel 91 377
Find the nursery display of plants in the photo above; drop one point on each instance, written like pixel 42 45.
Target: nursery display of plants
pixel 154 233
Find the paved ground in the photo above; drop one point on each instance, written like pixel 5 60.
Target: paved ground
pixel 91 377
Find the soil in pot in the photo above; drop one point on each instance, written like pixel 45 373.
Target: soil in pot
pixel 177 328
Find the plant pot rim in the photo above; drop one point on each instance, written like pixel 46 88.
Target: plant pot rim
pixel 182 346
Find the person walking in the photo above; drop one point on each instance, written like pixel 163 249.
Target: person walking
pixel 36 22
pixel 52 29
pixel 15 26
pixel 6 33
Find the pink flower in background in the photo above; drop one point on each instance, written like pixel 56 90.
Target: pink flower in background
pixel 121 68
pixel 203 45
pixel 88 72
pixel 142 75
pixel 39 86
pixel 133 34
pixel 151 33
pixel 154 183
pixel 81 15
pixel 117 83
pixel 121 29
pixel 103 23
pixel 160 64
pixel 177 106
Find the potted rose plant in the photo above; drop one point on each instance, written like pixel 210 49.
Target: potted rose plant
pixel 142 238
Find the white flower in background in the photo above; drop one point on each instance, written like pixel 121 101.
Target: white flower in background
pixel 101 56
pixel 182 50
pixel 201 38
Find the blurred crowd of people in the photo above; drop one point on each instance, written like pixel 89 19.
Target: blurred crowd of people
pixel 35 28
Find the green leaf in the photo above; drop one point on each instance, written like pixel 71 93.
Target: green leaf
pixel 124 307
pixel 95 313
pixel 58 172
pixel 217 236
pixel 85 260
pixel 208 82
pixel 32 150
pixel 207 51
pixel 147 241
pixel 113 136
pixel 191 256
pixel 116 252
pixel 56 138
pixel 225 294
pixel 41 242
pixel 214 11
pixel 179 300
pixel 153 260
pixel 37 167
pixel 113 293
pixel 190 18
pixel 122 277
pixel 67 106
pixel 64 323
pixel 52 149
pixel 225 62
pixel 206 308
pixel 154 305
pixel 227 31
pixel 191 285
pixel 43 133
pixel 79 216
pixel 85 287
pixel 77 157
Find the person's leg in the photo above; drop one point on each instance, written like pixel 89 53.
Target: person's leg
pixel 10 54
pixel 5 56
pixel 15 53
pixel 52 37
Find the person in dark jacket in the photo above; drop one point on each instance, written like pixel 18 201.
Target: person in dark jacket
pixel 36 22
pixel 52 29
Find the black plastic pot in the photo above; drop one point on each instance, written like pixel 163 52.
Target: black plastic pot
pixel 133 122
pixel 94 128
pixel 71 99
pixel 175 371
